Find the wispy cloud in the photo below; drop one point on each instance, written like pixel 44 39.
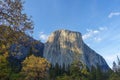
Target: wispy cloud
pixel 43 36
pixel 97 39
pixel 113 14
pixel 90 33
pixel 94 34
pixel 102 28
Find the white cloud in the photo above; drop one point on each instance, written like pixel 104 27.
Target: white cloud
pixel 89 33
pixel 94 34
pixel 98 39
pixel 43 36
pixel 113 14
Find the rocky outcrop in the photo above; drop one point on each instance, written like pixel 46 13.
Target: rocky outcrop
pixel 23 49
pixel 64 46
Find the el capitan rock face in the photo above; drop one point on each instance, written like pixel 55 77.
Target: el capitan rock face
pixel 64 46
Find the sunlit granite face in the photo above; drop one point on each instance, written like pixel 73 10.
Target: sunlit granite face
pixel 64 46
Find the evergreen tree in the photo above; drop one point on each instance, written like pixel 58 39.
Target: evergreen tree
pixel 99 74
pixel 114 66
pixel 118 66
pixel 116 70
pixel 78 71
pixel 93 73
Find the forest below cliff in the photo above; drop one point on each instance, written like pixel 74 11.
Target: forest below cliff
pixel 14 26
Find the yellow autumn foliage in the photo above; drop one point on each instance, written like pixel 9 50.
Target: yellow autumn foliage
pixel 35 68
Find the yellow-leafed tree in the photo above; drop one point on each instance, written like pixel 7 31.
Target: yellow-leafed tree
pixel 35 68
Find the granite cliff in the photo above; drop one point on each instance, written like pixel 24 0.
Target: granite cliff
pixel 64 47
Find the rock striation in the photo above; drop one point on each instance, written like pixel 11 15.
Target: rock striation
pixel 64 46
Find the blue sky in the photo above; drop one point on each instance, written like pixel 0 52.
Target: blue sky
pixel 97 20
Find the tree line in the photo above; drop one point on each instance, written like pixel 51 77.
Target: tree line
pixel 37 68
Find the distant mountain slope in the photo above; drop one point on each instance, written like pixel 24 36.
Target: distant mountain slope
pixel 18 52
pixel 64 47
pixel 30 46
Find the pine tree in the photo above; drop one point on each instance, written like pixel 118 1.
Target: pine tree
pixel 93 73
pixel 116 70
pixel 99 74
pixel 114 66
pixel 118 66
